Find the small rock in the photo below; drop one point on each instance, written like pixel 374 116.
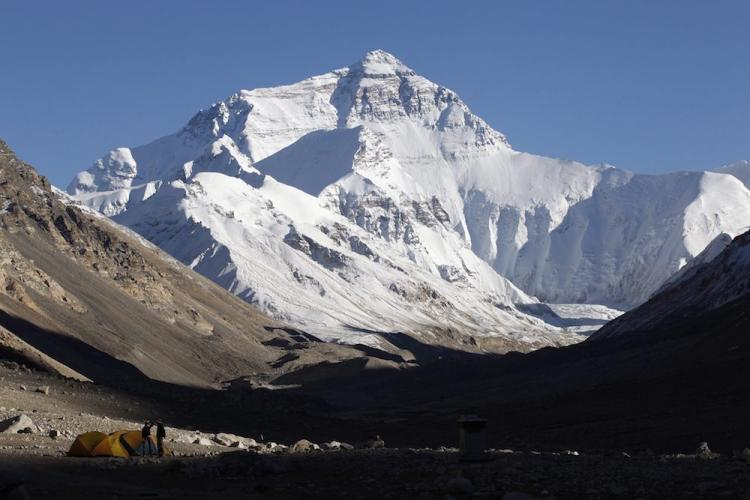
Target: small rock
pixel 704 451
pixel 239 445
pixel 302 446
pixel 375 442
pixel 332 446
pixel 43 390
pixel 54 434
pixel 745 454
pixel 26 430
pixel 570 452
pixel 22 387
pixel 203 441
pixel 16 424
pixel 459 486
pixel 225 439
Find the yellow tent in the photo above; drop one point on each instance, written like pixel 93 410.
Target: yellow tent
pixel 117 444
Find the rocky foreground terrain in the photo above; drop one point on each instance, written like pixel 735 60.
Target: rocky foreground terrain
pixel 209 464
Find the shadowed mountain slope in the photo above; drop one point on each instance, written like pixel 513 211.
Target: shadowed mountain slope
pixel 77 289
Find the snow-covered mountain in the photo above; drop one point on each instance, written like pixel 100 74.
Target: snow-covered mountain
pixel 370 198
pixel 718 277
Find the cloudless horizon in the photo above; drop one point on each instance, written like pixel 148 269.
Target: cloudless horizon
pixel 647 86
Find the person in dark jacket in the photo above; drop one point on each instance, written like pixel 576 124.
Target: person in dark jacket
pixel 161 433
pixel 146 435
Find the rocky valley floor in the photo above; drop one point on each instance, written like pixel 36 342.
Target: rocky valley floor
pixel 209 464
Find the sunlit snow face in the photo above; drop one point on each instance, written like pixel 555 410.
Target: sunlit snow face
pixel 435 220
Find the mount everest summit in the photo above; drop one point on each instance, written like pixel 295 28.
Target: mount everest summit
pixel 370 200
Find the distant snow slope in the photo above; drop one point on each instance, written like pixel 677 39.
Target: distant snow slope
pixel 367 184
pixel 716 279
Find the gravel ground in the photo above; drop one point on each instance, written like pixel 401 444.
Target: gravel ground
pixel 267 470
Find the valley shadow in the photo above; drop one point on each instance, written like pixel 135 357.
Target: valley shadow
pixel 76 354
pixel 664 390
pixel 178 405
pixel 421 351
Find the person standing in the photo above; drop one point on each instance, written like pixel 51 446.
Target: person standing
pixel 146 435
pixel 161 433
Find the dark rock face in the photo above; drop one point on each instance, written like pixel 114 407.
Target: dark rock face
pixel 359 246
pixel 325 256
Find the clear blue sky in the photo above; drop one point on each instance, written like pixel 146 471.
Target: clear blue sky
pixel 648 85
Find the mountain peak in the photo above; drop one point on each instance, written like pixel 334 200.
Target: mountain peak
pixel 380 62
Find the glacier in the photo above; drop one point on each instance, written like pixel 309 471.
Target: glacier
pixel 370 199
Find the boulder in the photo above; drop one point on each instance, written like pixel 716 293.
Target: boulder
pixel 182 437
pixel 375 442
pixel 332 446
pixel 303 446
pixel 704 451
pixel 17 424
pixel 225 439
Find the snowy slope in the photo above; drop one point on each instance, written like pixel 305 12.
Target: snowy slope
pixel 717 280
pixel 276 247
pixel 402 163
